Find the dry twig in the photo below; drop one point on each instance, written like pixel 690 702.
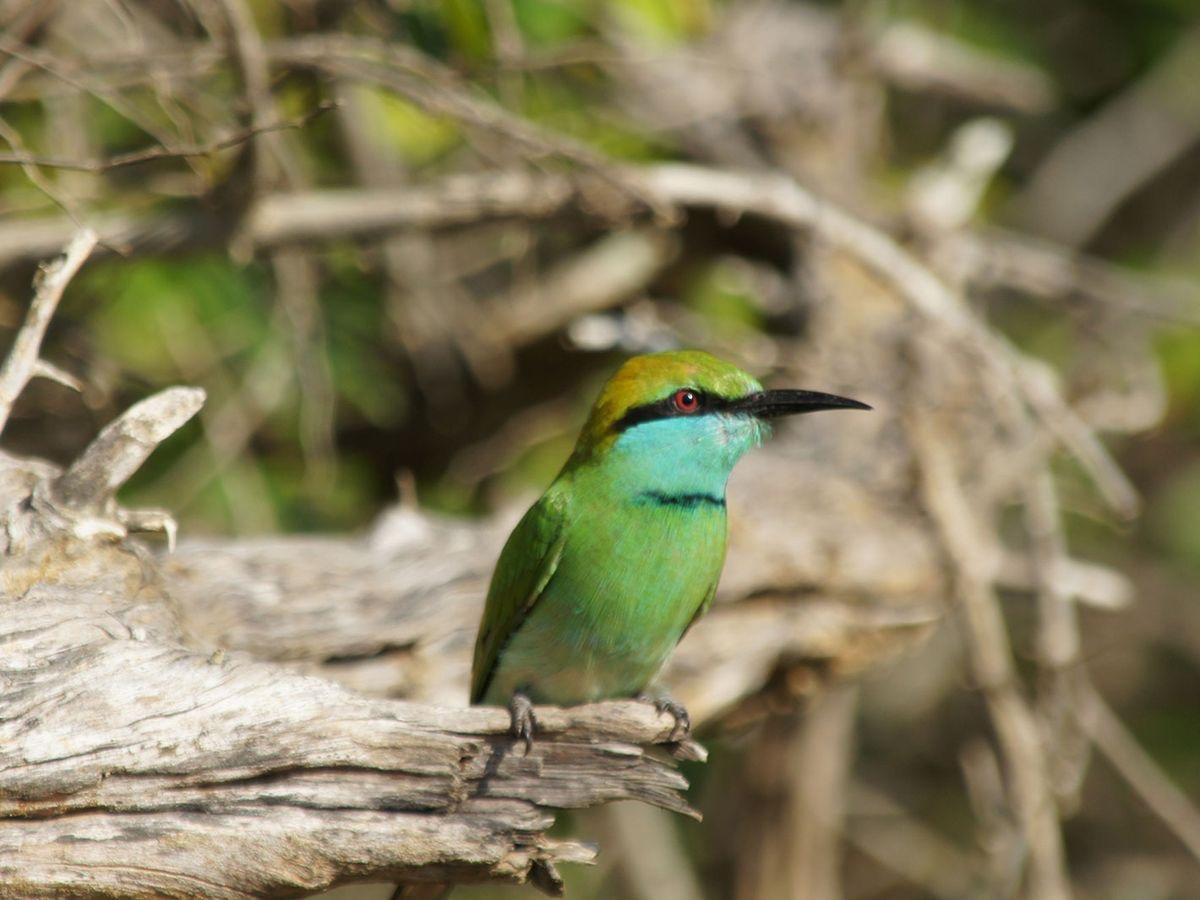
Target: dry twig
pixel 22 361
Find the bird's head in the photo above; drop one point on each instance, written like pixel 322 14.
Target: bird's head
pixel 685 416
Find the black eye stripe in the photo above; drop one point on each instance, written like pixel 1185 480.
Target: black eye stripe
pixel 666 409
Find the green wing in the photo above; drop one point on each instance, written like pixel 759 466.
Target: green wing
pixel 526 564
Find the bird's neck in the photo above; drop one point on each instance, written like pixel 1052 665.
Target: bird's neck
pixel 644 469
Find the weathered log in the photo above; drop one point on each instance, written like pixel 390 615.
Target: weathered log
pixel 133 764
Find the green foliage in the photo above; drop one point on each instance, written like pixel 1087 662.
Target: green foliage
pixel 556 104
pixel 411 134
pixel 166 319
pixel 1179 351
pixel 989 25
pixel 718 292
pixel 546 22
pixel 663 21
pixel 1175 515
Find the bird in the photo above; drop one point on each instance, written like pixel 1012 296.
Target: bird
pixel 606 572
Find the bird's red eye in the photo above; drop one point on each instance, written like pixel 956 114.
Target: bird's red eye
pixel 686 401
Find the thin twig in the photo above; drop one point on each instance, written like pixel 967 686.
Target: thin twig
pixel 52 280
pixel 149 154
pixel 102 92
pixel 438 90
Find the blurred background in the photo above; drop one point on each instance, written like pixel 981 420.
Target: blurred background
pixel 401 244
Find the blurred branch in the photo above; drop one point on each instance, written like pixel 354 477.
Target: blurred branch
pixel 1062 677
pixel 78 78
pixel 919 59
pixel 469 198
pixel 20 25
pixel 791 845
pixel 283 218
pixel 820 771
pixel 1140 771
pixel 991 258
pixel 997 831
pixel 974 561
pixel 427 307
pixel 649 855
pixel 1117 150
pixel 611 270
pixel 1087 582
pixel 905 54
pixel 882 829
pixel 438 90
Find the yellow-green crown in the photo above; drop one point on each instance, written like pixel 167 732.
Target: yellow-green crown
pixel 645 379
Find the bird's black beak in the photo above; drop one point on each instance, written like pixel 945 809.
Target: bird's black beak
pixel 772 404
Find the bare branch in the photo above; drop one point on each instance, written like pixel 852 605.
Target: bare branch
pixel 919 59
pixel 133 763
pixel 611 270
pixel 51 372
pixel 52 280
pixel 120 449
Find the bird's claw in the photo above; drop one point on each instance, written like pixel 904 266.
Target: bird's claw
pixel 524 722
pixel 683 722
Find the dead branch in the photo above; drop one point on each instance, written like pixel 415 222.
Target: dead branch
pixel 651 858
pixel 22 361
pixel 521 194
pixel 174 752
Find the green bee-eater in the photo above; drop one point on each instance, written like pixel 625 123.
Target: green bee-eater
pixel 604 574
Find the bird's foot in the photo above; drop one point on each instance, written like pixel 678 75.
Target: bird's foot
pixel 683 722
pixel 524 723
